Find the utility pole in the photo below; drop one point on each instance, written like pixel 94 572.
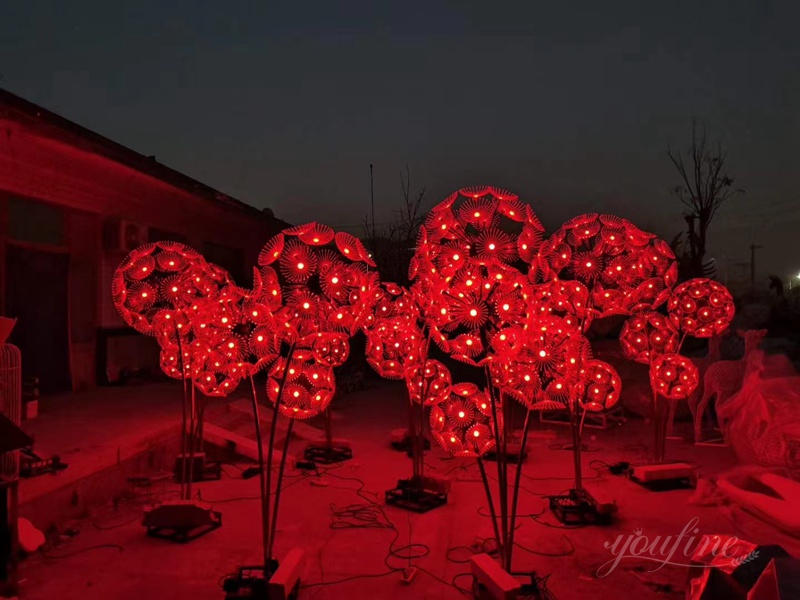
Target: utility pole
pixel 726 271
pixel 753 248
pixel 372 201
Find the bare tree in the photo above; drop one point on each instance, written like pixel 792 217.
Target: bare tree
pixel 393 245
pixel 705 187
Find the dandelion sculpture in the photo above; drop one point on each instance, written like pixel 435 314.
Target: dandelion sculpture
pixel 698 307
pixel 596 266
pixel 483 308
pixel 164 290
pixel 161 290
pixel 398 344
pixel 327 294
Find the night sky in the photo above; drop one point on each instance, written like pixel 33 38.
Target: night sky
pixel 570 104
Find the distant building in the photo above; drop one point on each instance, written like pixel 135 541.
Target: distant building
pixel 72 205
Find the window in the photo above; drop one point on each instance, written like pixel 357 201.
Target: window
pixel 35 222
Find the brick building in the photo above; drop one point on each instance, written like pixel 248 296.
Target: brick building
pixel 72 204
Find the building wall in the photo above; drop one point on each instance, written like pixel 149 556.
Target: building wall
pixel 41 176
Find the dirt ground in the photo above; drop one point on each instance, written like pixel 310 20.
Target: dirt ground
pixel 354 550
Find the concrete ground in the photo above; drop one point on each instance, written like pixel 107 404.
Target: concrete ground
pixel 109 556
pixel 98 429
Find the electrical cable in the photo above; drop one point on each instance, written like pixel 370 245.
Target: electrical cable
pixel 372 515
pixel 569 446
pixel 529 515
pixel 82 550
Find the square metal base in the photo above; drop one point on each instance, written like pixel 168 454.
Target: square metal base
pixel 409 496
pixel 578 507
pixel 323 454
pixel 181 521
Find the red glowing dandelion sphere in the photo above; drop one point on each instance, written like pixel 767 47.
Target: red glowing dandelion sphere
pixel 163 276
pixel 473 224
pixel 701 308
pixel 331 349
pixel 462 424
pixel 624 268
pixel 518 380
pixel 477 300
pixel 176 365
pixel 560 298
pixel 393 345
pixel 239 325
pixel 428 383
pixel 673 376
pixel 303 389
pixel 530 359
pixel 601 386
pixel 394 337
pixel 646 335
pixel 323 277
pixel 464 268
pixel 554 347
pixel 392 300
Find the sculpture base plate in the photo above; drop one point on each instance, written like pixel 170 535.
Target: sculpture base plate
pixel 323 454
pixel 578 507
pixel 409 495
pixel 181 520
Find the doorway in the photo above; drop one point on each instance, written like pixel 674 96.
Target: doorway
pixel 37 296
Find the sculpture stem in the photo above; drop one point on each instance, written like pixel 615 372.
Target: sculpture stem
pixel 264 493
pixel 279 484
pixel 490 500
pixel 517 477
pixel 271 442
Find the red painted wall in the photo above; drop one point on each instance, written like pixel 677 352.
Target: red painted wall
pixel 91 188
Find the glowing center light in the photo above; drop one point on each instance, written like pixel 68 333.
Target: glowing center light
pixel 473 313
pixel 301 266
pixel 542 353
pixel 461 414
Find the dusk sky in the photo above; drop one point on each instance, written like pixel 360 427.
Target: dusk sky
pixel 570 104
